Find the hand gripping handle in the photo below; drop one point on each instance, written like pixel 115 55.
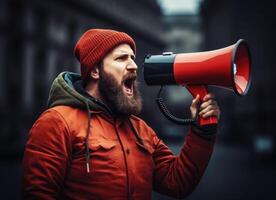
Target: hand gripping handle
pixel 202 90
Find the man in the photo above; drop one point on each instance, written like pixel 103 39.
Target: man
pixel 89 143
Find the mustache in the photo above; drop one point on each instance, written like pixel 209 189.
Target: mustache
pixel 130 76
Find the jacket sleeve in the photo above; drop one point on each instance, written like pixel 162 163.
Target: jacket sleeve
pixel 46 157
pixel 177 176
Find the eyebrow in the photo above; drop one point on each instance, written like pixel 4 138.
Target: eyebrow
pixel 122 53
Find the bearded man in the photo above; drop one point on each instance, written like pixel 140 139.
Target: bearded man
pixel 89 143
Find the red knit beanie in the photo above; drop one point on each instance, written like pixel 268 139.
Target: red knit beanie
pixel 95 44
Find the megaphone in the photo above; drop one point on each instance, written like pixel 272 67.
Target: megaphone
pixel 228 67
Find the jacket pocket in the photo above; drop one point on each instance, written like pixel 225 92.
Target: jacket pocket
pixel 104 154
pixel 104 161
pixel 104 144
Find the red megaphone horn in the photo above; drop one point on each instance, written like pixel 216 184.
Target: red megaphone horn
pixel 228 67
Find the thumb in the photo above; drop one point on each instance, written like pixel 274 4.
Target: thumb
pixel 194 106
pixel 195 101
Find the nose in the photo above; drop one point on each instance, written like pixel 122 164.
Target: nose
pixel 132 66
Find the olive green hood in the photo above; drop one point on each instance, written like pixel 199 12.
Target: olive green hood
pixel 62 92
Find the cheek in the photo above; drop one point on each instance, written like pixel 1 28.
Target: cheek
pixel 116 71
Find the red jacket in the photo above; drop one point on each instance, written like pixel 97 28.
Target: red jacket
pixel 127 159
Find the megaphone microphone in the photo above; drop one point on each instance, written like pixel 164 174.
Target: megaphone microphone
pixel 228 67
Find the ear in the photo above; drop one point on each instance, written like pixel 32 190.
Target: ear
pixel 95 74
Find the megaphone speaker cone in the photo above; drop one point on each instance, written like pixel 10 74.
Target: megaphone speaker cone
pixel 241 68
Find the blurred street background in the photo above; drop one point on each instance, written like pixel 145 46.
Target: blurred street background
pixel 37 39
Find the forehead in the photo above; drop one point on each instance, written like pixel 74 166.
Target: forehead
pixel 122 48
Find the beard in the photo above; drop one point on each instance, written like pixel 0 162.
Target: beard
pixel 115 97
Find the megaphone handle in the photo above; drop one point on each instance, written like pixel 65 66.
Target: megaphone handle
pixel 202 90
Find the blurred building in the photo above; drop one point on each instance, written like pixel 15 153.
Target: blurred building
pixel 183 32
pixel 250 119
pixel 37 39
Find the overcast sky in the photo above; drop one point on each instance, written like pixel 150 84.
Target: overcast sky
pixel 170 7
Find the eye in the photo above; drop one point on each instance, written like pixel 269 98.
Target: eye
pixel 122 57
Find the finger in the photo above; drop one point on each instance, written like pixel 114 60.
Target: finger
pixel 207 109
pixel 207 103
pixel 208 96
pixel 212 113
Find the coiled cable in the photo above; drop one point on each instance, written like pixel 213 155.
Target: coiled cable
pixel 169 115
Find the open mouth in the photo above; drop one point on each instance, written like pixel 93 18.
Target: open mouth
pixel 128 84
